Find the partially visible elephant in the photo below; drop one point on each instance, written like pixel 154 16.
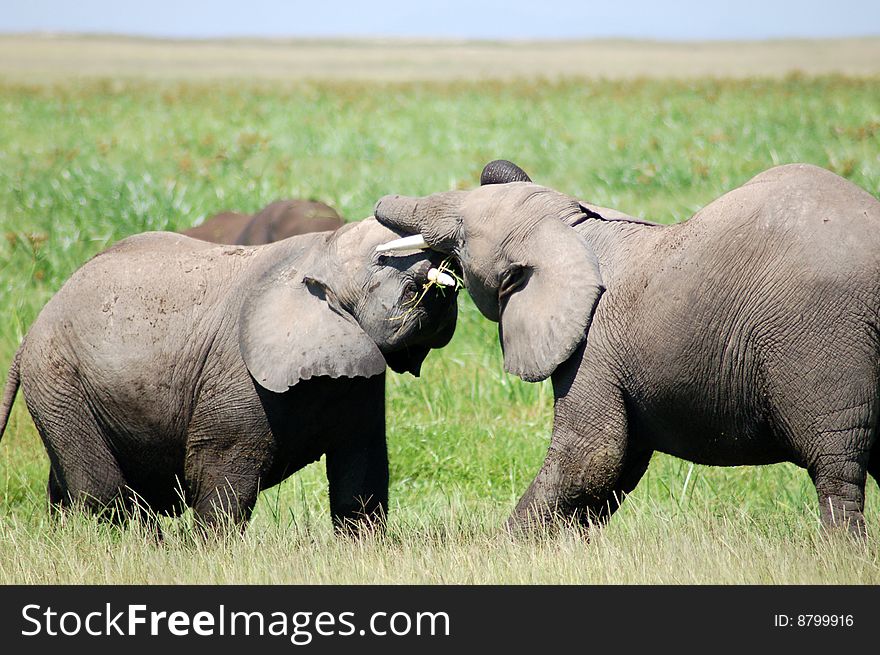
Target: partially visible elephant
pixel 169 372
pixel 278 220
pixel 222 228
pixel 749 334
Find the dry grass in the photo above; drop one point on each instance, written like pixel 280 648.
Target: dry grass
pixel 37 58
pixel 448 544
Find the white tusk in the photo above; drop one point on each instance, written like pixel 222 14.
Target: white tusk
pixel 443 279
pixel 415 242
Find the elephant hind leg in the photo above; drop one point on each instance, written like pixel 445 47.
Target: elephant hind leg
pixel 837 456
pixel 223 503
pixel 828 417
pixel 123 505
pixel 84 473
pixel 840 485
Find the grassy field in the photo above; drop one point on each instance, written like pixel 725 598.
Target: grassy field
pixel 85 164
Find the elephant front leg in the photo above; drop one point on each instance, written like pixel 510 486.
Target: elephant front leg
pixel 357 472
pixel 592 463
pixel 582 482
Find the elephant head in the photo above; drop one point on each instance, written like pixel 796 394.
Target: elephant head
pixel 332 306
pixel 522 264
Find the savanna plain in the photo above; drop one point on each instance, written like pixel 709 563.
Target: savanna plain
pixel 86 162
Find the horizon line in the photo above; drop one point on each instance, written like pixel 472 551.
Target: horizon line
pixel 451 40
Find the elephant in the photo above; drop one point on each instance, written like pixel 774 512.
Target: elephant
pixel 221 228
pixel 169 372
pixel 278 220
pixel 746 335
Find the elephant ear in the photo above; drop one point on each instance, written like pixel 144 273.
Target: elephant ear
pixel 546 301
pixel 292 328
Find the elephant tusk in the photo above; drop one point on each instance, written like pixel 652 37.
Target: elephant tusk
pixel 443 279
pixel 414 242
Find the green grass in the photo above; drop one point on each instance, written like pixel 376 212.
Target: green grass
pixel 82 165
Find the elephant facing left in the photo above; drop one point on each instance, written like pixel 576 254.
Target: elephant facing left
pixel 170 372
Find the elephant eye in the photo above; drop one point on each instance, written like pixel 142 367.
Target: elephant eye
pixel 410 292
pixel 511 280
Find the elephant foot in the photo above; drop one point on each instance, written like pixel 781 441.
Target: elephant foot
pixel 837 514
pixel 537 525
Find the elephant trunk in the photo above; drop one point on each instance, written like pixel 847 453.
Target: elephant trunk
pixel 436 218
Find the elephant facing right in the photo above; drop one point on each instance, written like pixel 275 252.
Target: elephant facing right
pixel 749 334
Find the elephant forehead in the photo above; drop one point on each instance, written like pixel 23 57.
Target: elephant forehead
pixel 500 225
pixel 513 205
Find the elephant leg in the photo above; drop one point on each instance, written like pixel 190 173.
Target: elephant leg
pixel 58 497
pixel 633 469
pixel 579 480
pixel 835 447
pixel 840 485
pixel 357 472
pixel 827 413
pixel 222 472
pixel 224 501
pixel 117 507
pixel 591 464
pixel 84 472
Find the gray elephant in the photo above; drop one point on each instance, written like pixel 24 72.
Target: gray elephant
pixel 170 372
pixel 749 334
pixel 278 220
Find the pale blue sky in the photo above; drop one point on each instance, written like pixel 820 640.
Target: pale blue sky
pixel 498 19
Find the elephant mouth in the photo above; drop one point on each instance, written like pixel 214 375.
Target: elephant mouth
pixel 436 284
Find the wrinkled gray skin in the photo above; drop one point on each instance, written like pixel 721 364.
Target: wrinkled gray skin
pixel 169 366
pixel 278 220
pixel 745 335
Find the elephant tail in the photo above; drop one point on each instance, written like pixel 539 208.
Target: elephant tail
pixel 9 391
